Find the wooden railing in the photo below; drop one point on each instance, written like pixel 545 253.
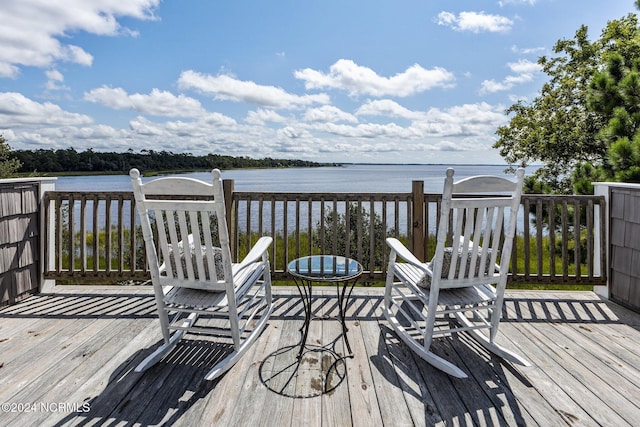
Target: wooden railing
pixel 96 238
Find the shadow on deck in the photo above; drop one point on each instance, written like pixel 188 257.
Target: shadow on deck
pixel 68 358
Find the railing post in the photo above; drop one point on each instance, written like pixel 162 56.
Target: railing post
pixel 601 240
pixel 228 188
pixel 418 214
pixel 47 235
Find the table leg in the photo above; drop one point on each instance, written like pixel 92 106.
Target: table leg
pixel 343 302
pixel 343 291
pixel 305 288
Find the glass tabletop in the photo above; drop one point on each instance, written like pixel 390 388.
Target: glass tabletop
pixel 325 268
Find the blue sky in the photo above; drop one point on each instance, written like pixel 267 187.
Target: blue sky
pixel 387 81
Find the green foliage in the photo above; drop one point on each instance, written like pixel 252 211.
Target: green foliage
pixel 583 177
pixel 615 94
pixel 544 258
pixel 592 97
pixel 363 231
pixel 8 165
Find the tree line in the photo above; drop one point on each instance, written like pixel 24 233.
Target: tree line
pixel 70 160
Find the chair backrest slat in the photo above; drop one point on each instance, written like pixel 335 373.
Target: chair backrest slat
pixel 184 220
pixel 473 215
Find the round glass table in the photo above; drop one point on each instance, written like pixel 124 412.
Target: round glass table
pixel 342 271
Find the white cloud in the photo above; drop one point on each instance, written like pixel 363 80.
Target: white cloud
pixel 157 103
pixel 366 130
pixel 261 116
pixel 524 66
pixel 291 132
pixel 34 32
pixel 145 127
pixel 16 110
pixel 503 3
pixel 476 22
pixel 493 86
pixel 226 87
pixel 328 113
pixel 449 146
pixel 98 137
pixel 387 107
pixel 525 71
pixel 527 50
pixel 8 70
pixel 54 80
pixel 462 129
pixel 54 75
pixel 465 120
pixel 218 119
pixel 349 76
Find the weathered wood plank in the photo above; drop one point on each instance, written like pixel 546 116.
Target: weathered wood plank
pixel 498 381
pixel 111 381
pixel 585 354
pixel 480 401
pixel 308 383
pixel 278 407
pixel 249 412
pixel 46 354
pixel 547 384
pixel 365 410
pixel 442 388
pixel 419 401
pixel 32 344
pixel 336 409
pixel 615 383
pixel 567 393
pixel 393 407
pixel 61 376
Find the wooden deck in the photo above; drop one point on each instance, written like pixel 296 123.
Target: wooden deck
pixel 67 359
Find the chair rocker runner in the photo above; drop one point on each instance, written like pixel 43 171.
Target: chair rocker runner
pixel 462 288
pixel 194 280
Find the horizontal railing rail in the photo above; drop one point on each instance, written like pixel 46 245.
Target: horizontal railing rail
pixel 560 239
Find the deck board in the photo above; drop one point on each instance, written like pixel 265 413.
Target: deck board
pixel 80 345
pixel 365 409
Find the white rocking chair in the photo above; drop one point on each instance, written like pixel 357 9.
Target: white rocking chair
pixel 187 243
pixel 463 281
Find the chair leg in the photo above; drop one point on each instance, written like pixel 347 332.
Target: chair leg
pixel 425 354
pixel 167 346
pixel 491 346
pixel 227 363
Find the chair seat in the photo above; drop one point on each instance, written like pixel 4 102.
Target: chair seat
pixel 473 295
pixel 203 299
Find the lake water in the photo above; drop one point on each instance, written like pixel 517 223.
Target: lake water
pixel 350 178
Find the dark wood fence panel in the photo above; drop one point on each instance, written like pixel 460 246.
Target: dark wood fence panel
pixel 625 246
pixel 354 225
pixel 96 238
pixel 19 240
pixel 563 240
pixel 560 239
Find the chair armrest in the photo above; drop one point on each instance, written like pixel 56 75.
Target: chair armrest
pixel 256 252
pixel 404 253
